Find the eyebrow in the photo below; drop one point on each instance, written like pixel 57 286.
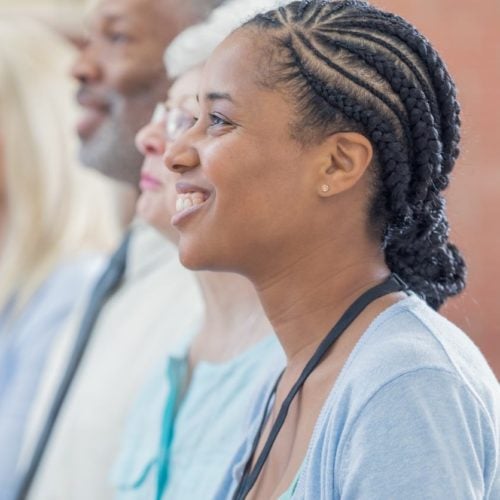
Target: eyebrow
pixel 217 96
pixel 113 17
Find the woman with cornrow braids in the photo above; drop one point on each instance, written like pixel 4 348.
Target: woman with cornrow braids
pixel 326 136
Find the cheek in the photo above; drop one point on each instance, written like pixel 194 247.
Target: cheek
pixel 130 76
pixel 151 207
pixel 236 174
pixel 258 193
pixel 154 208
pixel 169 199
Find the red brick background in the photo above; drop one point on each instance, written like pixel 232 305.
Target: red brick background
pixel 466 33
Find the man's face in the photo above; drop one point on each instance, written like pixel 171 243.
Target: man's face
pixel 121 75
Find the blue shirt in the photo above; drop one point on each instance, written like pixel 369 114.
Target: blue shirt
pixel 178 446
pixel 414 414
pixel 25 342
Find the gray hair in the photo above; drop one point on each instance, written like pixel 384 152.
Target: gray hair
pixel 194 45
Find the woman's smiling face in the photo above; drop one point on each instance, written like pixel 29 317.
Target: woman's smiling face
pixel 246 193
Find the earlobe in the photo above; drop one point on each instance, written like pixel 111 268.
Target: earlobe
pixel 349 155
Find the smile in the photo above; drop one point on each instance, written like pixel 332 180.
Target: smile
pixel 187 203
pixel 188 200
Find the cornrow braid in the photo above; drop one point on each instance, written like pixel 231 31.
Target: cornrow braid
pixel 348 65
pixel 401 56
pixel 380 132
pixel 442 83
pixel 424 141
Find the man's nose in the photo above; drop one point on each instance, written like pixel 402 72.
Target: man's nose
pixel 86 67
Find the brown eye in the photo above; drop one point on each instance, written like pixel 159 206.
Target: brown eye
pixel 217 120
pixel 118 37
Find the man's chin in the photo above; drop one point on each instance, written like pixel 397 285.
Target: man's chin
pixel 89 123
pixel 112 152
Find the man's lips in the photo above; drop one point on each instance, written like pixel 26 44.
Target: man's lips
pixel 93 112
pixel 150 182
pixel 87 98
pixel 89 121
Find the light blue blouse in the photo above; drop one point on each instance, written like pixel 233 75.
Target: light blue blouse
pixel 25 342
pixel 415 413
pixel 180 441
pixel 288 494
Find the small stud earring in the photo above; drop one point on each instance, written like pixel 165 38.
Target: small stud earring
pixel 325 188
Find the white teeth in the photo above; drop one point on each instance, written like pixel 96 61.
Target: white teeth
pixel 188 200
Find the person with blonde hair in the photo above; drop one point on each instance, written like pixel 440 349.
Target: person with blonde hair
pixel 56 219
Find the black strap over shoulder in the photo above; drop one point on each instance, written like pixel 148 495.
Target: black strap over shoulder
pixel 390 285
pixel 107 283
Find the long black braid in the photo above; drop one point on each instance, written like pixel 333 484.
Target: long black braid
pixel 347 64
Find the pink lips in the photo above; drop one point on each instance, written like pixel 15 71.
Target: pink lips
pixel 186 187
pixel 149 183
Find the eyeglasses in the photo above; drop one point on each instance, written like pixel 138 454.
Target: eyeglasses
pixel 177 120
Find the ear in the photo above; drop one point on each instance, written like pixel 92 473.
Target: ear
pixel 347 156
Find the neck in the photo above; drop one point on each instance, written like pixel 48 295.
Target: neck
pixel 305 298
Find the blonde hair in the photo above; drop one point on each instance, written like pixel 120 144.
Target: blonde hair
pixel 53 208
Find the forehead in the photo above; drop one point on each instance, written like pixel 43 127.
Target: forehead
pixel 233 68
pixel 130 11
pixel 185 87
pixel 231 81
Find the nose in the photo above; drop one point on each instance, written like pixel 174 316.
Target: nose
pixel 180 155
pixel 86 67
pixel 150 140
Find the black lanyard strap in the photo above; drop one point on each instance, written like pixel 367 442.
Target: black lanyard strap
pixel 392 284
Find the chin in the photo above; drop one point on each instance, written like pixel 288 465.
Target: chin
pixel 193 256
pixel 190 261
pixel 143 210
pixel 197 257
pixel 151 209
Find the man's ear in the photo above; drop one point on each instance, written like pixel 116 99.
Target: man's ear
pixel 347 156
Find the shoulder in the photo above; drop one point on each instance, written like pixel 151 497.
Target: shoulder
pixel 424 432
pixel 74 274
pixel 410 340
pixel 70 282
pixel 415 403
pixel 60 293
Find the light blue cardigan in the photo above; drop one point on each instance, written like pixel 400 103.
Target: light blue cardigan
pixel 414 414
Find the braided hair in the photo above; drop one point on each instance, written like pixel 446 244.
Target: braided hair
pixel 350 66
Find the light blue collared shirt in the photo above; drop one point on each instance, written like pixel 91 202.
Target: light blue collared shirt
pixel 181 450
pixel 25 342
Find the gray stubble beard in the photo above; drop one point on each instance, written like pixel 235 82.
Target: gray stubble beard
pixel 111 149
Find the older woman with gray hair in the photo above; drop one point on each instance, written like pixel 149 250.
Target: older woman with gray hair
pixel 189 420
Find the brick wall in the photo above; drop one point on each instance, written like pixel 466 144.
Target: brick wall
pixel 466 35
